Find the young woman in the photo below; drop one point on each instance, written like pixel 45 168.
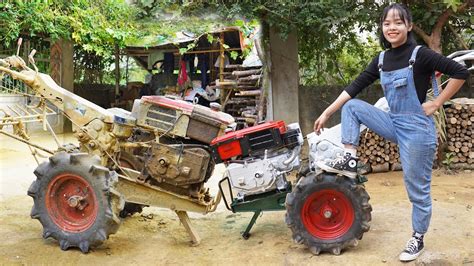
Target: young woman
pixel 405 71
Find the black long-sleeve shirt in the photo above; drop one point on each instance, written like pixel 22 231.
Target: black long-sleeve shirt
pixel 427 61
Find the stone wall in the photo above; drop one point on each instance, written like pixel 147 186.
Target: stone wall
pixel 313 100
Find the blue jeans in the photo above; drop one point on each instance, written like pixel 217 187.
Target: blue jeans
pixel 416 139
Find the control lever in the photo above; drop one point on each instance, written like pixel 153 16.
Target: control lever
pixel 32 60
pixel 20 40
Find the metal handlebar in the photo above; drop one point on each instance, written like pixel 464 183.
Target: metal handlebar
pixel 4 63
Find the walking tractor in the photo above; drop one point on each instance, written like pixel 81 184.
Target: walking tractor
pixel 161 154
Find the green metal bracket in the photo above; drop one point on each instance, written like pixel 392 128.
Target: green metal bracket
pixel 269 201
pixel 246 233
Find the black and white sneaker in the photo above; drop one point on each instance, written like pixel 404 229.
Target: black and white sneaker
pixel 413 249
pixel 345 165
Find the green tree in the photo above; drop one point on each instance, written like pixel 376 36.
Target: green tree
pixel 443 22
pixel 96 27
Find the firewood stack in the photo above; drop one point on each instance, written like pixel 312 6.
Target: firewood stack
pixel 245 99
pixel 377 152
pixel 460 129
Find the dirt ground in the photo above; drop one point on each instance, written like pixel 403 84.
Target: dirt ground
pixel 156 236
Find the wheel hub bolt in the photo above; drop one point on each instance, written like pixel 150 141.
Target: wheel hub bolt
pixel 75 201
pixel 327 214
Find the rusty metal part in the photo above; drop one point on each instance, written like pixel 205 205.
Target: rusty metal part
pixel 147 194
pixel 178 164
pixel 70 203
pixel 77 202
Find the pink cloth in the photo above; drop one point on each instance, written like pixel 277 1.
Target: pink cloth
pixel 182 75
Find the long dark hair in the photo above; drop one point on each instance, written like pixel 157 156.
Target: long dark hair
pixel 405 16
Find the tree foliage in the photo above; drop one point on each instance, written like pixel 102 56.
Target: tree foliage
pixel 94 26
pixel 32 18
pixel 329 32
pixel 445 26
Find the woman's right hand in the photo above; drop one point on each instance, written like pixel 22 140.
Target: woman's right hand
pixel 336 105
pixel 319 123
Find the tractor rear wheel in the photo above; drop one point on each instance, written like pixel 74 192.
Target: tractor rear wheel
pixel 75 201
pixel 328 212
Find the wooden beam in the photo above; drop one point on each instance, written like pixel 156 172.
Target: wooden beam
pixel 117 72
pixel 221 61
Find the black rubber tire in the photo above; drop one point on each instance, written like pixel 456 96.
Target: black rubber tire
pixel 313 183
pixel 99 179
pixel 303 172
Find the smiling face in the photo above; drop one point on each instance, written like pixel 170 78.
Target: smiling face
pixel 395 29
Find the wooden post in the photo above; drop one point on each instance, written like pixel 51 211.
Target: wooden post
pixel 225 93
pixel 117 73
pixel 221 59
pixel 184 218
pixel 126 71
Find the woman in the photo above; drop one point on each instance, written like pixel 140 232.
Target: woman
pixel 404 70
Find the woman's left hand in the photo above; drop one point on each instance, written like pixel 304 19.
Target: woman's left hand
pixel 430 107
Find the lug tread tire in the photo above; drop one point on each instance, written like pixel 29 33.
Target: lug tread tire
pixel 101 180
pixel 311 183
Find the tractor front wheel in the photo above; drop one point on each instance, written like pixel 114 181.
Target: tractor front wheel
pixel 327 212
pixel 75 201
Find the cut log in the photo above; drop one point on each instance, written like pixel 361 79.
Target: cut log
pixel 247 87
pixel 249 78
pixel 249 93
pixel 240 73
pixel 379 168
pixel 396 167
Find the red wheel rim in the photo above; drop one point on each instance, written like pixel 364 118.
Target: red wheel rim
pixel 327 214
pixel 71 203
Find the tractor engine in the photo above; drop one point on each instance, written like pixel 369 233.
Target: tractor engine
pixel 259 158
pixel 181 168
pixel 177 157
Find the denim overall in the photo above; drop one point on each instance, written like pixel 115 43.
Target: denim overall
pixel 407 125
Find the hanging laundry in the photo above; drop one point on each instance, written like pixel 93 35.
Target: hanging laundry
pixel 182 75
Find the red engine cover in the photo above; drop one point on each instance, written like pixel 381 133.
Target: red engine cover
pixel 245 141
pixel 170 103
